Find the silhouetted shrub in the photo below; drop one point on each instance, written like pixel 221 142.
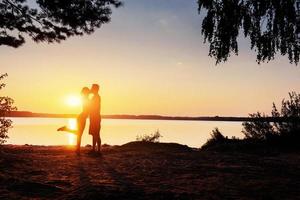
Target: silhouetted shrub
pixel 282 128
pixel 6 105
pixel 290 112
pixel 285 123
pixel 217 138
pixel 216 135
pixel 219 143
pixel 150 138
pixel 258 129
pixel 263 133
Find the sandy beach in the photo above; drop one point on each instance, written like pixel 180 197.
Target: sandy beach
pixel 145 171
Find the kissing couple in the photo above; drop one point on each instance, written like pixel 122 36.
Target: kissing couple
pixel 91 108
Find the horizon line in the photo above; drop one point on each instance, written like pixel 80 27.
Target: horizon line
pixel 129 116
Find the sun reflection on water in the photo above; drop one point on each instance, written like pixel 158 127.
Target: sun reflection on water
pixel 72 124
pixel 71 139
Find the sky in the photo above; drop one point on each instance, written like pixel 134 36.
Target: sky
pixel 150 59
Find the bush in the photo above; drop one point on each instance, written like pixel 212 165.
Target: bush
pixel 282 126
pixel 219 143
pixel 6 105
pixel 216 138
pixel 216 135
pixel 280 131
pixel 150 138
pixel 258 129
pixel 290 112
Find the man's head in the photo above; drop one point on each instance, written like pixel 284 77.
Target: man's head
pixel 95 88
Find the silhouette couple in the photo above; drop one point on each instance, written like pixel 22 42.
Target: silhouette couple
pixel 90 108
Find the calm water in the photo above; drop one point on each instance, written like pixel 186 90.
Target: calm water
pixel 42 131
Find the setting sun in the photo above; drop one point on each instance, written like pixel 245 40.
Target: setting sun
pixel 73 100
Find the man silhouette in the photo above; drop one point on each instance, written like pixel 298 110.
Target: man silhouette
pixel 95 117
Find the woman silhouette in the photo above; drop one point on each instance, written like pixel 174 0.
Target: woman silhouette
pixel 81 118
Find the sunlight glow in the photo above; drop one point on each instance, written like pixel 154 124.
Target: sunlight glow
pixel 71 139
pixel 72 124
pixel 73 100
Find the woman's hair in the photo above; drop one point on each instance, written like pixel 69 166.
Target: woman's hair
pixel 85 91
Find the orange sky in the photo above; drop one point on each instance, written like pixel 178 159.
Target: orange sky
pixel 155 63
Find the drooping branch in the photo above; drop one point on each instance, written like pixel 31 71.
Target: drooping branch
pixel 53 20
pixel 271 25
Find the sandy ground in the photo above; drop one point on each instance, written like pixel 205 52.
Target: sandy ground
pixel 145 171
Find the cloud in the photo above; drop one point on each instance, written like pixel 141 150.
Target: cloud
pixel 167 22
pixel 163 22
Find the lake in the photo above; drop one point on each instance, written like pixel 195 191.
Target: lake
pixel 42 131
